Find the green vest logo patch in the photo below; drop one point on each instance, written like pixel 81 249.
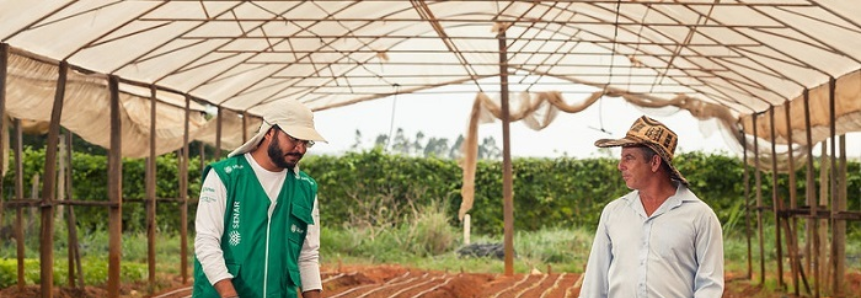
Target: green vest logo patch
pixel 234 238
pixel 229 169
pixel 296 229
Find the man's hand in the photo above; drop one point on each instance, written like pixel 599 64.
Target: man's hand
pixel 225 288
pixel 312 294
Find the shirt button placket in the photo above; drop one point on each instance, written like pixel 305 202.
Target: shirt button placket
pixel 644 256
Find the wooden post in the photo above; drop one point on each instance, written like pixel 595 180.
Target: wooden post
pixel 244 127
pixel 746 204
pixel 46 245
pixel 218 122
pixel 19 195
pixel 201 148
pixel 836 239
pixel 758 177
pixel 151 192
pixel 115 192
pixel 791 238
pixel 776 203
pixel 812 222
pixel 822 232
pixel 840 226
pixel 183 194
pixel 73 228
pixel 61 196
pixel 507 191
pixel 4 60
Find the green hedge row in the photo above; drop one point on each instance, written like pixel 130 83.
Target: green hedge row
pixel 372 185
pixel 90 183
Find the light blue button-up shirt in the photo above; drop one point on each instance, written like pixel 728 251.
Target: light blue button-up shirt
pixel 675 253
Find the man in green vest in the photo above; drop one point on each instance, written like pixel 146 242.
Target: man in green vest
pixel 258 224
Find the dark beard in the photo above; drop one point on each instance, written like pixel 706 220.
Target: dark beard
pixel 277 156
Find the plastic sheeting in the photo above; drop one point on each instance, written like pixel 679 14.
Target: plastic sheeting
pixel 241 55
pixel 30 96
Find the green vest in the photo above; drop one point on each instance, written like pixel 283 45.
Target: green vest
pixel 263 263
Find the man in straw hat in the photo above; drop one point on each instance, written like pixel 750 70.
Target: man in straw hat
pixel 660 240
pixel 253 200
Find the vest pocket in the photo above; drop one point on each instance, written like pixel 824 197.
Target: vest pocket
pixel 300 219
pixel 303 213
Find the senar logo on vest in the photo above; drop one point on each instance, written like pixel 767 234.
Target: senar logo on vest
pixel 295 229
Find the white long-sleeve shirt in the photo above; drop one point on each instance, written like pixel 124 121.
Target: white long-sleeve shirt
pixel 209 224
pixel 676 252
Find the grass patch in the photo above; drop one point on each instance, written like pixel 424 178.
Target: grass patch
pixel 94 262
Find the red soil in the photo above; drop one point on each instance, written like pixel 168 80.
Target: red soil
pixel 400 282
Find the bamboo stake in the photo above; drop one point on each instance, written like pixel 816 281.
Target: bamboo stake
pixel 46 247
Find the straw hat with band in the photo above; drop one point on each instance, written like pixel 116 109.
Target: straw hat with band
pixel 653 134
pixel 292 117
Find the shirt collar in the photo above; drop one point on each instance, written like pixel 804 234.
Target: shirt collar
pixel 682 195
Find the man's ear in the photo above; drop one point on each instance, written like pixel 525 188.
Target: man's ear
pixel 655 163
pixel 269 134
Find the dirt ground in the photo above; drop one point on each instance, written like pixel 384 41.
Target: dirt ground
pixel 397 281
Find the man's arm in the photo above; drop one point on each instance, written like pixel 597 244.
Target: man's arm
pixel 596 282
pixel 309 258
pixel 709 280
pixel 225 288
pixel 312 294
pixel 209 225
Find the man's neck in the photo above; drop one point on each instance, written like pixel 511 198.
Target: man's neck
pixel 653 197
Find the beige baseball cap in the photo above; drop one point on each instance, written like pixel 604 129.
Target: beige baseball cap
pixel 292 117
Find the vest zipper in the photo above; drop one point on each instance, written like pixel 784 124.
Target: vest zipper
pixel 266 258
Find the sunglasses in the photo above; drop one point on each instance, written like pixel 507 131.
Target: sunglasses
pixel 306 143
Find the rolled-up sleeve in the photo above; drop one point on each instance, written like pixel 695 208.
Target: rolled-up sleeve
pixel 209 226
pixel 309 257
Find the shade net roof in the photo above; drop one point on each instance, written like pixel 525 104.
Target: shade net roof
pixel 726 59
